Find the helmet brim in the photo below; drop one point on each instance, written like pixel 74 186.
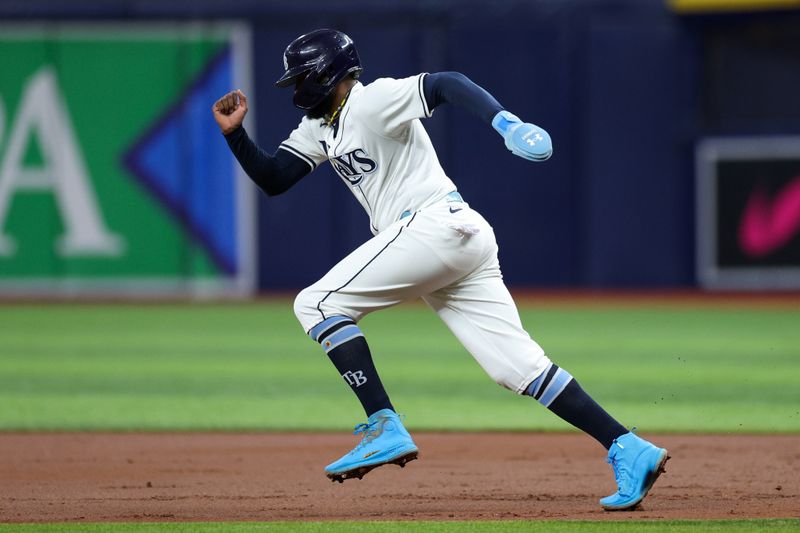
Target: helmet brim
pixel 290 76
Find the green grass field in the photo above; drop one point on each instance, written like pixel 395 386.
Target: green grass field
pixel 250 367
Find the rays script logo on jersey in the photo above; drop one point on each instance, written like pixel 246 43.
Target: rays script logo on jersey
pixel 353 166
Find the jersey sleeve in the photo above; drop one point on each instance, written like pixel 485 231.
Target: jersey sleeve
pixel 390 104
pixel 303 143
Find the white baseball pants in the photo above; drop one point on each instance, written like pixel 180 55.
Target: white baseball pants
pixel 447 255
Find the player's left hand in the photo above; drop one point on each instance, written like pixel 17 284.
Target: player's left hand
pixel 524 139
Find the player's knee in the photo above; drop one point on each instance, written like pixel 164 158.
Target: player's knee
pixel 305 308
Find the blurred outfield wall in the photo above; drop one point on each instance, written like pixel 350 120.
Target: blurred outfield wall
pixel 108 181
pixel 627 89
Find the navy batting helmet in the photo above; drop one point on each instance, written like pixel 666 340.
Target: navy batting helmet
pixel 316 62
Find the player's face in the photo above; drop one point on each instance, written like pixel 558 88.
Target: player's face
pixel 322 108
pixel 319 110
pixel 297 82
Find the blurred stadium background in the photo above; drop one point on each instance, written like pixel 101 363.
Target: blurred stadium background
pixel 674 124
pixel 676 128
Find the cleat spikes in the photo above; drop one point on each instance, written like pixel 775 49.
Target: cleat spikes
pixel 359 473
pixel 662 468
pixel 401 461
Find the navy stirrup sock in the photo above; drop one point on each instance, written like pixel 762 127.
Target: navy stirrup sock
pixel 557 390
pixel 347 349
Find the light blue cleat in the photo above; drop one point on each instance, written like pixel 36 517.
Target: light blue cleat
pixel 637 464
pixel 385 441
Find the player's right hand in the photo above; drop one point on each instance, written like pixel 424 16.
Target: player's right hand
pixel 229 111
pixel 524 139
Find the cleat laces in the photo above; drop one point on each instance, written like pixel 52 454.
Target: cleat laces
pixel 621 476
pixel 370 431
pixel 621 473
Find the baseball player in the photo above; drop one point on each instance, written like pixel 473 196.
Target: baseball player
pixel 428 243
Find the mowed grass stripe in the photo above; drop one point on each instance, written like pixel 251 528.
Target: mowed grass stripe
pixel 250 367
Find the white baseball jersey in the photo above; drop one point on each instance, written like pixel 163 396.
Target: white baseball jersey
pixel 443 251
pixel 379 148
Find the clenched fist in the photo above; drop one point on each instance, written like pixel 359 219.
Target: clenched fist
pixel 229 111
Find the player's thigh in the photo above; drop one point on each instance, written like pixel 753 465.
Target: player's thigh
pixel 390 268
pixel 481 313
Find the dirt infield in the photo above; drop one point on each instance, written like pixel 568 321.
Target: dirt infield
pixel 222 477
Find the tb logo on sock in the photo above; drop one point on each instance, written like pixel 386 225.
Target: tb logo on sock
pixel 355 379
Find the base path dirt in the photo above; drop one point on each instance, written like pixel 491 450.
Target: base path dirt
pixel 53 477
